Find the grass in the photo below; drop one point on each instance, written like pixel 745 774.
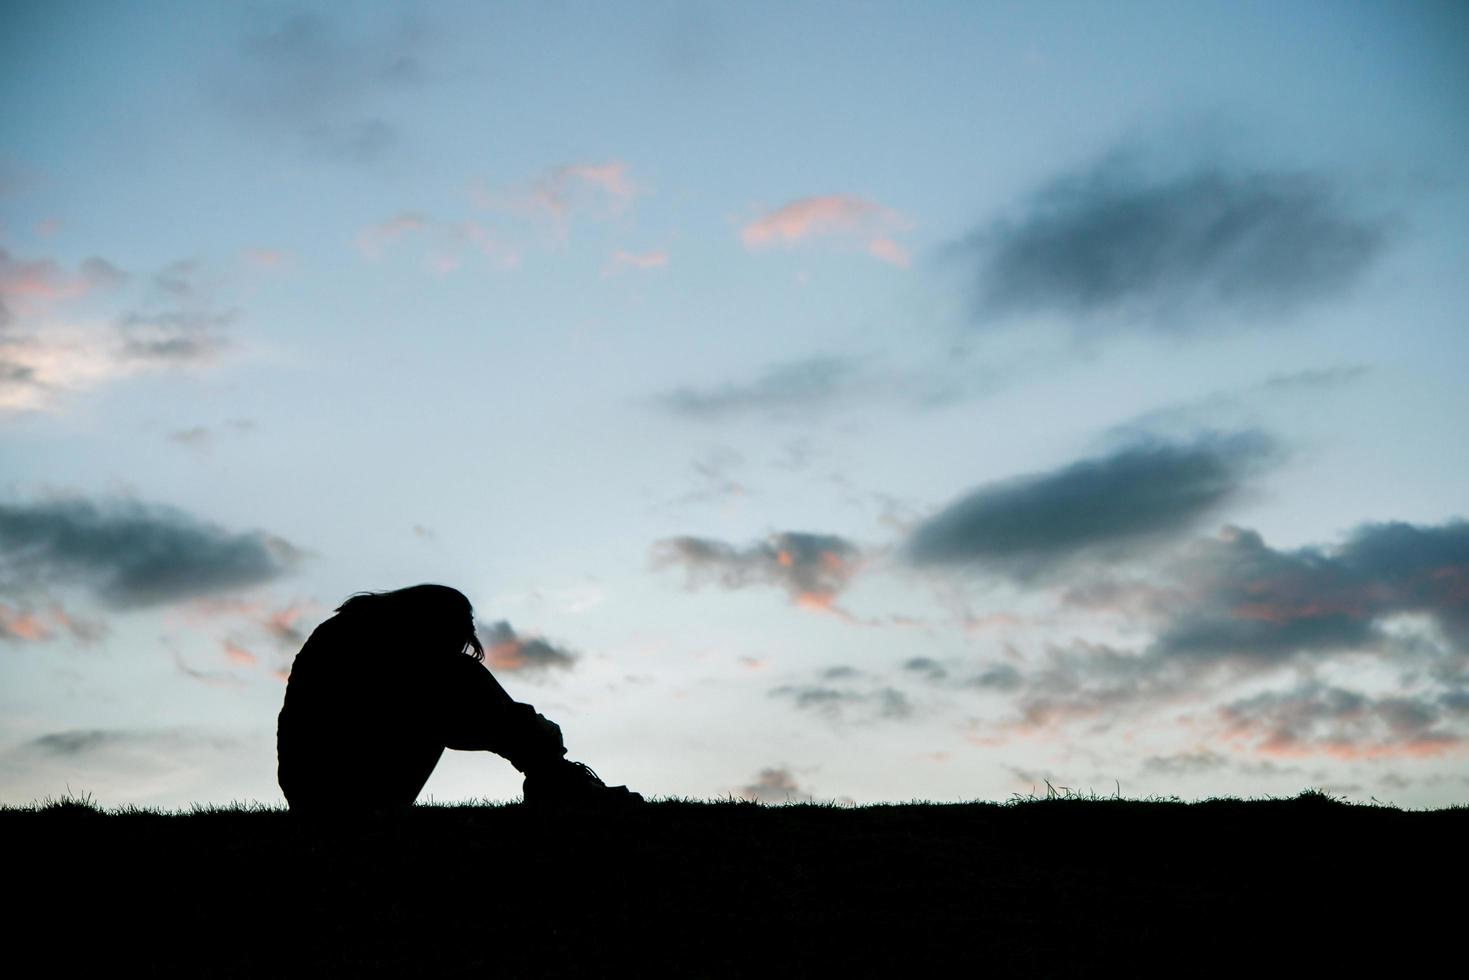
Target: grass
pixel 1056 883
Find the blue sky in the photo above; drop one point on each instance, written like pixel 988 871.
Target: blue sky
pixel 857 401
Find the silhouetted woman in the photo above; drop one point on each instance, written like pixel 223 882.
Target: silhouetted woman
pixel 384 686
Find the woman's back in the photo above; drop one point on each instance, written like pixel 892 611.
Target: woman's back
pixel 357 705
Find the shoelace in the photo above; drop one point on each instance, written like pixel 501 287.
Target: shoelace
pixel 588 772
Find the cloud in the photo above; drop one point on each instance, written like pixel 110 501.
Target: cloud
pixel 203 437
pixel 842 703
pixel 445 244
pixel 131 554
pixel 26 624
pixel 174 337
pixel 30 286
pixel 836 216
pixel 641 261
pixel 1237 408
pixel 1106 508
pixel 1319 719
pixel 926 667
pixel 325 86
pixel 1114 245
pixel 812 568
pixel 999 677
pixel 374 240
pixel 505 650
pixel 43 358
pixel 1391 598
pixel 601 188
pixel 73 742
pixel 1247 599
pixel 796 388
pixel 775 785
pixel 239 655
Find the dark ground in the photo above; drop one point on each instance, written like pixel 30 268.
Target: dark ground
pixel 1045 888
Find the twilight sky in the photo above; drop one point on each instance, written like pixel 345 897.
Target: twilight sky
pixel 848 401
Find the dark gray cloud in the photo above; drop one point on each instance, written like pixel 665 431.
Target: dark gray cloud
pixel 1000 677
pixel 1114 245
pixel 506 650
pixel 131 554
pixel 325 85
pixel 776 784
pixel 1248 599
pixel 812 568
pixel 795 389
pixel 73 742
pixel 926 667
pixel 1105 508
pixel 848 703
pixel 85 741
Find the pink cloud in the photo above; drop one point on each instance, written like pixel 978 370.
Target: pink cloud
pixel 889 251
pixel 238 655
pixel 838 216
pixel 265 258
pixel 374 240
pixel 566 189
pixel 621 260
pixel 30 285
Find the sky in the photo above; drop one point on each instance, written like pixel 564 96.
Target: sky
pixel 853 402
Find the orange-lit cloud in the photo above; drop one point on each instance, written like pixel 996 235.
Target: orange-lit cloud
pixel 836 216
pixel 812 568
pixel 1316 719
pixel 25 625
pixel 507 650
pixel 238 655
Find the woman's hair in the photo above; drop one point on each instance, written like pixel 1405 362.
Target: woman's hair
pixel 416 605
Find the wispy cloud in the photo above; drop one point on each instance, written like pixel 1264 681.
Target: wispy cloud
pixel 622 261
pixel 29 287
pixel 327 87
pixel 848 696
pixel 796 388
pixel 601 189
pixel 25 623
pixel 374 240
pixel 834 216
pixel 1115 247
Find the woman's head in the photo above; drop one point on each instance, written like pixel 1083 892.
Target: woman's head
pixel 437 616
